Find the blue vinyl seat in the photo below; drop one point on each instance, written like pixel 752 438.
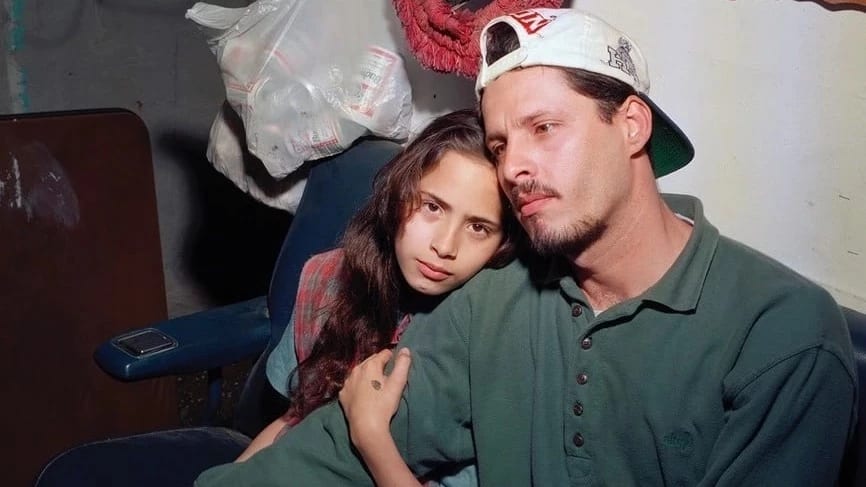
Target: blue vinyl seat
pixel 854 469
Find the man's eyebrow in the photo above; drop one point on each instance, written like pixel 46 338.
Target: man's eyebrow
pixel 493 136
pixel 528 118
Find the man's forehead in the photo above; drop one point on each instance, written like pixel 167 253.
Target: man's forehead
pixel 532 80
pixel 514 96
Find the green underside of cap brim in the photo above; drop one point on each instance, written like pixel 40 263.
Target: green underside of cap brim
pixel 669 148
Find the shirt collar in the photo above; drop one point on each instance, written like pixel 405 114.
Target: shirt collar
pixel 680 287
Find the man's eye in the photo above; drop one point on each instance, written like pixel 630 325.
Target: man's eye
pixel 544 128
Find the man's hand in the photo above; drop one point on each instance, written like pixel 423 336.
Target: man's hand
pixel 370 398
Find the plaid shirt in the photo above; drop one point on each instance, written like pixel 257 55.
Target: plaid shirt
pixel 319 287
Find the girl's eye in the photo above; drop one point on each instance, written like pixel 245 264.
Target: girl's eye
pixel 430 206
pixel 479 228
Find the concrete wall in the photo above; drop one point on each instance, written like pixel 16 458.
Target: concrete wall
pixel 773 95
pixel 217 244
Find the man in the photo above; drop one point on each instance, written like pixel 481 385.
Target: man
pixel 639 347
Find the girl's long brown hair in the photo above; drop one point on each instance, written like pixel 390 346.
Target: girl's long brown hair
pixel 362 319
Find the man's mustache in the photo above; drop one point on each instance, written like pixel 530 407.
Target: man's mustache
pixel 531 187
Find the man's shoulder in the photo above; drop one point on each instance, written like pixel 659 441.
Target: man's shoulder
pixel 514 275
pixel 763 276
pixel 489 286
pixel 787 311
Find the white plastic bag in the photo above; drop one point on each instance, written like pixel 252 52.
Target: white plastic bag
pixel 227 152
pixel 307 77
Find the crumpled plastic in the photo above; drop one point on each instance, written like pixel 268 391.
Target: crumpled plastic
pixel 302 93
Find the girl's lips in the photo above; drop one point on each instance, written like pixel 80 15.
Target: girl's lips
pixel 432 272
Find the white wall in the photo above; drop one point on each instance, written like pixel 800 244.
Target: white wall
pixel 773 96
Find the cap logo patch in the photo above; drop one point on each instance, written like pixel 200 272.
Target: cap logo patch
pixel 531 20
pixel 620 58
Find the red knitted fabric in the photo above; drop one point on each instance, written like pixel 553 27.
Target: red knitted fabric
pixel 445 39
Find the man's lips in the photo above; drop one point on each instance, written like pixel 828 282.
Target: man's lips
pixel 432 271
pixel 529 204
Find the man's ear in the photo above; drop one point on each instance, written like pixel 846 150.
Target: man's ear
pixel 638 122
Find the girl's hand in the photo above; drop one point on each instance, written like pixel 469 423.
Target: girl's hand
pixel 370 398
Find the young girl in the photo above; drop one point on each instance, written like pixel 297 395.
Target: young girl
pixel 435 218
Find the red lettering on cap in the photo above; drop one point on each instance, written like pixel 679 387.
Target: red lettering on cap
pixel 531 20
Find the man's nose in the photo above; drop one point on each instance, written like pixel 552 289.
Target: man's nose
pixel 514 165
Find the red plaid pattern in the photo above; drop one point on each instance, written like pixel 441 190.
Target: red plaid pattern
pixel 319 287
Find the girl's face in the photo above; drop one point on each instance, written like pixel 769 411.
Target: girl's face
pixel 456 227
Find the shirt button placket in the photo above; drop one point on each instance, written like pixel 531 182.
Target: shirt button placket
pixel 582 378
pixel 577 439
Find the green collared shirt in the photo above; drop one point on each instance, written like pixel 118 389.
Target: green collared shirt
pixel 731 370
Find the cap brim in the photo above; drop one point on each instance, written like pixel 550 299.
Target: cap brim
pixel 669 148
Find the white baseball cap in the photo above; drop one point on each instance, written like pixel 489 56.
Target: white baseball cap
pixel 570 38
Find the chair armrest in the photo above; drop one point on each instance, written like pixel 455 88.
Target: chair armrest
pixel 206 340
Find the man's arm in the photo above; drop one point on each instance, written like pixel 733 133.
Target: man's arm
pixel 788 427
pixel 789 415
pixel 265 438
pixel 431 427
pixel 369 399
pixel 316 451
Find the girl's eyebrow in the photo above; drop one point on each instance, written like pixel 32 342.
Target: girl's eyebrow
pixel 479 219
pixel 444 205
pixel 439 201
